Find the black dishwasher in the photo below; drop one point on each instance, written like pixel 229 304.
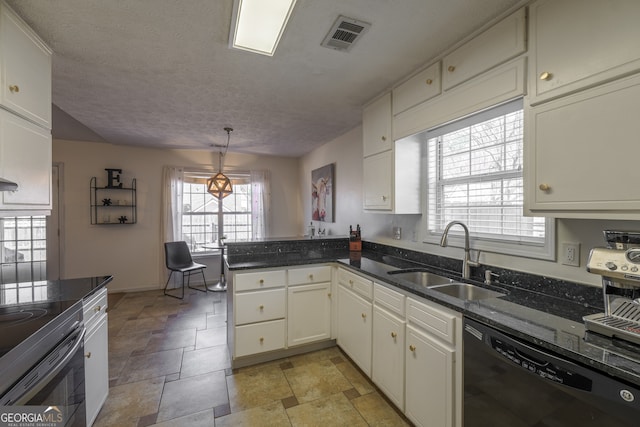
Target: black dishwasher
pixel 510 383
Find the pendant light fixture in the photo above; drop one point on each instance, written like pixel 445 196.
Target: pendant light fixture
pixel 219 185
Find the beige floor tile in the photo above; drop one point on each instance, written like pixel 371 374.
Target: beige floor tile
pixel 356 377
pixel 116 365
pixel 334 410
pixel 148 324
pixel 256 387
pixel 315 356
pixel 178 323
pixel 170 339
pixel 215 321
pixel 126 403
pixel 123 344
pixel 151 365
pixel 190 395
pixel 205 360
pixel 271 414
pixel 316 380
pixel 377 411
pixel 211 337
pixel 159 310
pixel 199 419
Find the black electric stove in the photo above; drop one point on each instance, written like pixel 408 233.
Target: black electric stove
pixel 35 316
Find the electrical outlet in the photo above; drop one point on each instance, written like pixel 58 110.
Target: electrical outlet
pixel 571 254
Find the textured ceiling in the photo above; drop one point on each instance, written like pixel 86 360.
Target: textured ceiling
pixel 159 73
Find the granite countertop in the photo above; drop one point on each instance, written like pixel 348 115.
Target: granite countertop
pixel 547 321
pixel 66 291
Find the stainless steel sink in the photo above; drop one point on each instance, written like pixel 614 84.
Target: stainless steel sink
pixel 421 278
pixel 466 291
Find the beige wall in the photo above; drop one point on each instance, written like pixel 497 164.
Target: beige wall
pixel 346 152
pixel 133 253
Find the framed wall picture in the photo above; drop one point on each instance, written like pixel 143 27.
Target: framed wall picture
pixel 323 193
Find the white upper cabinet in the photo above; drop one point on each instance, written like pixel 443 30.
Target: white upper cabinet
pixel 419 88
pixel 25 158
pixel 376 126
pixel 25 70
pixel 580 43
pixel 581 154
pixel 498 44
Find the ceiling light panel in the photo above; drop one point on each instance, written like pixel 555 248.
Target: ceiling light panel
pixel 258 24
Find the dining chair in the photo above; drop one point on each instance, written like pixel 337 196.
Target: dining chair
pixel 178 259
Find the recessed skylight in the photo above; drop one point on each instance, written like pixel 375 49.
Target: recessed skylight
pixel 257 25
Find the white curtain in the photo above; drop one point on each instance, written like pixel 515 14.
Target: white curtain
pixel 261 204
pixel 171 221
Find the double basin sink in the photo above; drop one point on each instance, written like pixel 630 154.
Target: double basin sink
pixel 445 285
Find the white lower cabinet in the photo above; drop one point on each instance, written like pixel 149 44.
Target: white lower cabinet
pixel 355 327
pixel 433 387
pixel 309 313
pixel 411 348
pixel 388 355
pixel 259 337
pixel 96 351
pixel 279 311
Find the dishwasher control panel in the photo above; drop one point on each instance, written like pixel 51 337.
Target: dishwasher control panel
pixel 542 368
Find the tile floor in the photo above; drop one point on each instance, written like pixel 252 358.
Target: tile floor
pixel 169 366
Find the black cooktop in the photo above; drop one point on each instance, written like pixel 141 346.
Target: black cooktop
pixel 27 307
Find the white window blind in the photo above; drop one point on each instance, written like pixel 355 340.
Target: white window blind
pixel 205 219
pixel 475 176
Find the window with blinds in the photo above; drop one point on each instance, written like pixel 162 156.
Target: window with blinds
pixel 475 175
pixel 205 219
pixel 23 254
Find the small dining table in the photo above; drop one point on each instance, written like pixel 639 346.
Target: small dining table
pixel 221 286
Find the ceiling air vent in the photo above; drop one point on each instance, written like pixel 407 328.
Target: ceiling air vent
pixel 344 33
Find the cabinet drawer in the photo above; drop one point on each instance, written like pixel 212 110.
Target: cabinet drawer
pixel 94 307
pixel 307 275
pixel 259 306
pixel 259 280
pixel 424 85
pixel 357 284
pixel 259 337
pixel 433 318
pixel 389 299
pixel 498 44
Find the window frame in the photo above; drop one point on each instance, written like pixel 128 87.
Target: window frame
pixel 508 246
pixel 191 177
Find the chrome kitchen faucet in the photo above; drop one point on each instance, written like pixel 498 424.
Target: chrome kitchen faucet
pixel 466 262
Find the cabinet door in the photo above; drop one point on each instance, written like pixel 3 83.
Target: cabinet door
pixel 96 366
pixel 568 141
pixel 580 43
pixel 377 180
pixel 309 313
pixel 419 88
pixel 259 337
pixel 498 44
pixel 259 306
pixel 25 158
pixel 354 327
pixel 388 355
pixel 25 70
pixel 376 126
pixel 429 399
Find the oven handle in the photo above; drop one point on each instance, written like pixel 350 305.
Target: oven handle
pixel 24 390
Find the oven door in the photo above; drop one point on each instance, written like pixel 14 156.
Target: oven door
pixel 57 380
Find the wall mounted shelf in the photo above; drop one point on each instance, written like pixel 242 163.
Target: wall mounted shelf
pixel 113 205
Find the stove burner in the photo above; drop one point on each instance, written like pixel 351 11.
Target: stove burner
pixel 21 316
